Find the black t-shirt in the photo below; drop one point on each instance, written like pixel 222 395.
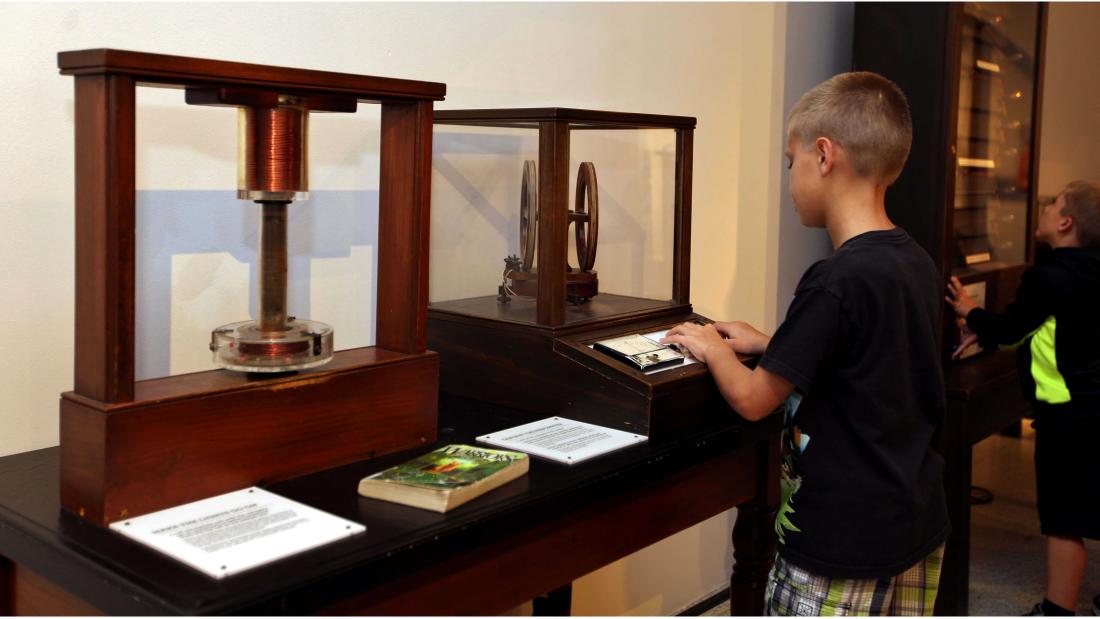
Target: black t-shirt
pixel 862 486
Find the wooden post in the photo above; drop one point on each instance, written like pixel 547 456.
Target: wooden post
pixel 404 194
pixel 681 266
pixel 104 318
pixel 553 221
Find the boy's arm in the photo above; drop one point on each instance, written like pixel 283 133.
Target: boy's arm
pixel 754 394
pixel 1027 312
pixel 795 356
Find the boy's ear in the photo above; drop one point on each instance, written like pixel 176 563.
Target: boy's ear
pixel 1065 224
pixel 825 151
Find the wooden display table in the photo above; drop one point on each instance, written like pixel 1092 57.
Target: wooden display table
pixel 983 398
pixel 520 541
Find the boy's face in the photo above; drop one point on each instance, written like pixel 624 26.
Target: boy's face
pixel 807 190
pixel 1051 222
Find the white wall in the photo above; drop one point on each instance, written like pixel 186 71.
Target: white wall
pixel 1070 127
pixel 811 59
pixel 723 63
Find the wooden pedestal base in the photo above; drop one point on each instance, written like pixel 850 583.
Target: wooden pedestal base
pixel 580 286
pixel 554 372
pixel 192 436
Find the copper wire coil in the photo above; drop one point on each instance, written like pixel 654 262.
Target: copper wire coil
pixel 274 149
pixel 273 349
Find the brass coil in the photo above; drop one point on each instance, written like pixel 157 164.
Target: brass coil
pixel 273 144
pixel 272 349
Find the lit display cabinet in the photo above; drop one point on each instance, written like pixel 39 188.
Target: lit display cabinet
pixel 973 75
pixel 995 204
pixel 554 228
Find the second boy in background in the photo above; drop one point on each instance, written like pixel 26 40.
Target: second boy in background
pixel 1053 323
pixel 863 519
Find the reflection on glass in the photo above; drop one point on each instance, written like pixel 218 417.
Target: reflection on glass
pixel 992 189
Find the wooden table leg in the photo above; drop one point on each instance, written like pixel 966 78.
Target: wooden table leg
pixel 956 448
pixel 754 537
pixel 6 582
pixel 557 603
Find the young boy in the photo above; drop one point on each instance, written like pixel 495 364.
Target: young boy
pixel 863 519
pixel 1053 319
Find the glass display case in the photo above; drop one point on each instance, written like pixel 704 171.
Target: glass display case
pixel 221 430
pixel 529 236
pixel 972 73
pixel 553 228
pixel 996 88
pixel 994 202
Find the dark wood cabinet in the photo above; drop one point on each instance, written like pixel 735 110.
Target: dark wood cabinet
pixel 973 75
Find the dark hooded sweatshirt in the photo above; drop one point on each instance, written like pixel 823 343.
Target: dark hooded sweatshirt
pixel 1053 324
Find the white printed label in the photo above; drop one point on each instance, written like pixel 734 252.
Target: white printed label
pixel 237 531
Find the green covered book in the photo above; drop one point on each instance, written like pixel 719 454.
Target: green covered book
pixel 445 478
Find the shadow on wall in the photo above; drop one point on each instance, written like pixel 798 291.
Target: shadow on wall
pixel 449 147
pixel 170 224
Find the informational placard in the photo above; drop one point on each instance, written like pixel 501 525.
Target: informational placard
pixel 656 338
pixel 233 532
pixel 562 440
pixel 640 351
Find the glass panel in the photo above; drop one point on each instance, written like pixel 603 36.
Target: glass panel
pixel 477 182
pixel 636 171
pixel 996 87
pixel 478 222
pixel 197 244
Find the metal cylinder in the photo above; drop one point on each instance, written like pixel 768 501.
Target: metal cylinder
pixel 273 269
pixel 272 145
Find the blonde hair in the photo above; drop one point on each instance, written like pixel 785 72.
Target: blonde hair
pixel 863 112
pixel 1083 205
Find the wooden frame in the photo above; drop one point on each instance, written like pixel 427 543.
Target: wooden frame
pixel 130 447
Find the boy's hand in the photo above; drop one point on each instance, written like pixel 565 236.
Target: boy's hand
pixel 969 340
pixel 699 340
pixel 958 299
pixel 743 337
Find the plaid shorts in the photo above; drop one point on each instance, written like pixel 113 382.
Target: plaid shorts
pixel 793 591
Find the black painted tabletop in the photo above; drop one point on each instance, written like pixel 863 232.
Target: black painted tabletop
pixel 120 576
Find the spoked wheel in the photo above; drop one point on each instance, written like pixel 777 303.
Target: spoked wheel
pixel 586 221
pixel 528 214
